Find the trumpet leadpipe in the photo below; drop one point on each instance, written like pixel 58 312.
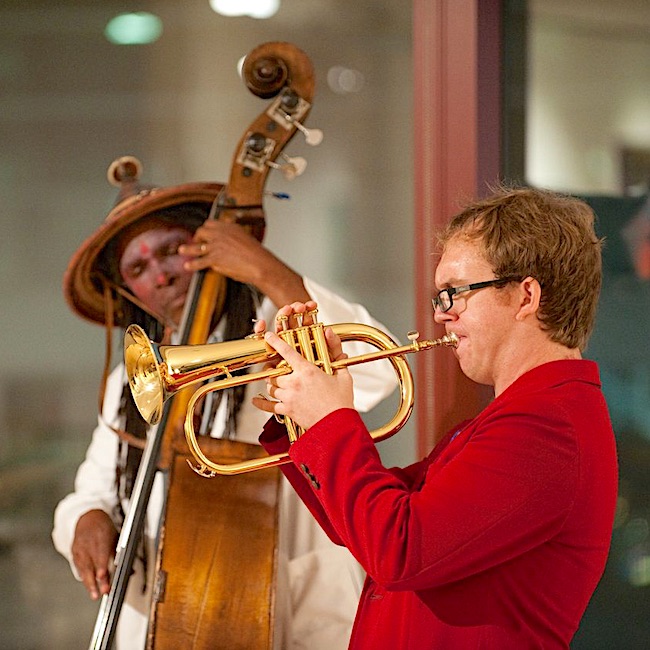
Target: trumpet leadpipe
pixel 449 340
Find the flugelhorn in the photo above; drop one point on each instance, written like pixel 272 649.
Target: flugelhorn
pixel 155 372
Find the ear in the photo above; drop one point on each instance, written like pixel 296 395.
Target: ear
pixel 530 294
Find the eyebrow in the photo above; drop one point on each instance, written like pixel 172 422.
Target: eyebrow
pixel 450 284
pixel 169 238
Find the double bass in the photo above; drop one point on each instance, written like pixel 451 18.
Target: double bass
pixel 217 558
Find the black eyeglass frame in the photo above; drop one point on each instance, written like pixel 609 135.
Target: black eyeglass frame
pixel 452 291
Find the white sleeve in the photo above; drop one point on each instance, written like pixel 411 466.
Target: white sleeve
pixel 94 485
pixel 373 381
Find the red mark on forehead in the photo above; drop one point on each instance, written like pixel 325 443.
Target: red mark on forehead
pixel 144 249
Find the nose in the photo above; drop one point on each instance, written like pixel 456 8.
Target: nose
pixel 161 274
pixel 441 317
pixel 161 279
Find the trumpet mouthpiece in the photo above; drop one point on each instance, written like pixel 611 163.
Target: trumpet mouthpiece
pixel 450 340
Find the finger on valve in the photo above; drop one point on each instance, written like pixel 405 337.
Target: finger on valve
pixel 296 314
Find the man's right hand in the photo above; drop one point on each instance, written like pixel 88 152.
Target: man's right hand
pixel 93 550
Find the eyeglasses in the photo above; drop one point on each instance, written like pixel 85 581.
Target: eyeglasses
pixel 444 301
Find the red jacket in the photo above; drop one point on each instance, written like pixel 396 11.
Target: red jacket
pixel 496 540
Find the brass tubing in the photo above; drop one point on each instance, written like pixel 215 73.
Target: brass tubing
pixel 156 372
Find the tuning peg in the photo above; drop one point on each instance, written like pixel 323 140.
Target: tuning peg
pixel 291 168
pixel 295 166
pixel 313 136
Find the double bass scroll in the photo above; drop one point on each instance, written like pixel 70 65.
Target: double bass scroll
pixel 285 73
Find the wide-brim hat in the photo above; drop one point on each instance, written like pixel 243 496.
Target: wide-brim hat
pixel 84 278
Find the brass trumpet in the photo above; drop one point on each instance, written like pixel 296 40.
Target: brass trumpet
pixel 155 372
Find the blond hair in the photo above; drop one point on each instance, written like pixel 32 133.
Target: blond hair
pixel 548 236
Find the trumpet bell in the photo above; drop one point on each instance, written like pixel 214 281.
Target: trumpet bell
pixel 155 372
pixel 145 372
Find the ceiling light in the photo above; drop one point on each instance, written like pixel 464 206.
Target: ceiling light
pixel 137 28
pixel 253 8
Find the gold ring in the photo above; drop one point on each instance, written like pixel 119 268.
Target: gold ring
pixel 204 248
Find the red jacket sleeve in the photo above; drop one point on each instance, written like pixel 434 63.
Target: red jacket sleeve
pixel 468 513
pixel 274 439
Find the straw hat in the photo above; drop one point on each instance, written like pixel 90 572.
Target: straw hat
pixel 86 275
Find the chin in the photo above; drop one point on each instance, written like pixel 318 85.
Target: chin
pixel 175 315
pixel 175 319
pixel 471 372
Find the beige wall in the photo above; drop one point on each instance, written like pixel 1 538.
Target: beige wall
pixel 588 94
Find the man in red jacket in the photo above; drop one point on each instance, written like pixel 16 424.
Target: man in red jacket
pixel 499 537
